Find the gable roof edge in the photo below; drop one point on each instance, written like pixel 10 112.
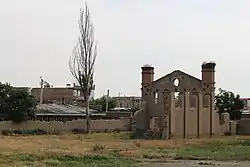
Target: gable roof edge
pixel 172 73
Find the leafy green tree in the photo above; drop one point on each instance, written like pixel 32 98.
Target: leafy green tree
pixel 5 92
pixel 16 105
pixel 227 101
pixel 102 101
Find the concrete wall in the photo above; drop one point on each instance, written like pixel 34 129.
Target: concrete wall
pixel 117 114
pixel 233 125
pixel 178 129
pixel 56 126
pixel 244 126
pixel 138 123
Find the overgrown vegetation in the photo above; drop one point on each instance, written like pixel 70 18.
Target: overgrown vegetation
pixel 227 101
pixel 115 149
pixel 65 160
pixel 16 105
pixel 98 147
pixel 215 150
pixel 28 132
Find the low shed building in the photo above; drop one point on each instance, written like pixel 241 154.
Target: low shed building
pixel 68 112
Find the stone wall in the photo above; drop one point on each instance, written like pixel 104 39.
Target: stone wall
pixel 191 127
pixel 191 123
pixel 244 126
pixel 56 126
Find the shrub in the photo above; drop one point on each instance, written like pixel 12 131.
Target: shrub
pixel 25 132
pixel 80 138
pixel 7 132
pixel 245 143
pixel 137 143
pixel 55 133
pixel 18 132
pixel 227 133
pixel 117 130
pixel 41 132
pixel 98 147
pixel 132 136
pixel 78 131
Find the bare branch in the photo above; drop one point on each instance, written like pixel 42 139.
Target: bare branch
pixel 84 53
pixel 82 60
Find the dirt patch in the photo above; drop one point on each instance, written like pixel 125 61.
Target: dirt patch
pixel 198 164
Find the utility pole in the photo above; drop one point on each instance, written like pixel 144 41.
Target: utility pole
pixel 41 92
pixel 107 101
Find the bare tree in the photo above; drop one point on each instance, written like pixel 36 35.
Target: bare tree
pixel 83 58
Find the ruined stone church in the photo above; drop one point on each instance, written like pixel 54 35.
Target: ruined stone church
pixel 180 105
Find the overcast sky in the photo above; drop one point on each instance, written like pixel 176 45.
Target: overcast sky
pixel 37 37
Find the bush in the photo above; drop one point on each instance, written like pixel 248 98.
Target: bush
pixel 7 132
pixel 132 136
pixel 245 143
pixel 25 132
pixel 18 132
pixel 78 131
pixel 117 130
pixel 41 132
pixel 137 143
pixel 227 133
pixel 80 138
pixel 54 133
pixel 98 147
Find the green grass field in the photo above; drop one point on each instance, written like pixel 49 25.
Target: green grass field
pixel 114 150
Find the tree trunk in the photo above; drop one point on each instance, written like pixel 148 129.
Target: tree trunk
pixel 87 115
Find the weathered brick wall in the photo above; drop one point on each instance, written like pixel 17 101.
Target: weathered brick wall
pixel 53 94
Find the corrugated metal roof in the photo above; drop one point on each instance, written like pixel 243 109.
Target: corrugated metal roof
pixel 66 114
pixel 61 109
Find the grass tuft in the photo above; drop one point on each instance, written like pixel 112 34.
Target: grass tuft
pixel 115 149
